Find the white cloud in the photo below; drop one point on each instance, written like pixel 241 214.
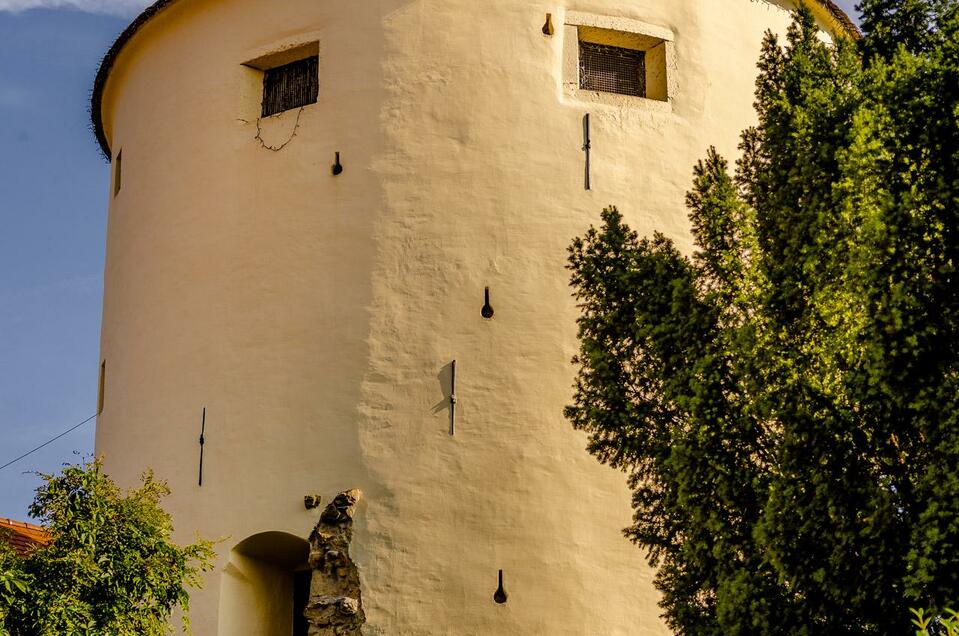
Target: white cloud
pixel 114 7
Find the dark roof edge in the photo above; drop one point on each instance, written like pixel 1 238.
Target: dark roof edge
pixel 106 65
pixel 842 18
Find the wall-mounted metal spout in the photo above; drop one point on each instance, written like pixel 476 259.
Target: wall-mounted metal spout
pixel 487 310
pixel 548 26
pixel 500 595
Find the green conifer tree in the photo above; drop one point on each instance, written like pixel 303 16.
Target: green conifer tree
pixel 785 400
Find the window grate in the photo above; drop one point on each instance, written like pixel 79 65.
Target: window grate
pixel 291 86
pixel 612 69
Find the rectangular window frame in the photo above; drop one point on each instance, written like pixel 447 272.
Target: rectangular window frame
pixel 654 42
pixel 272 56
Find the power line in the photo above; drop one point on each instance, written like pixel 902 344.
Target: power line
pixel 48 442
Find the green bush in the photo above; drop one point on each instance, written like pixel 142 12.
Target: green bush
pixel 110 567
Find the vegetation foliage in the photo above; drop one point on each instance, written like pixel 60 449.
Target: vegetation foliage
pixel 110 568
pixel 784 401
pixel 945 624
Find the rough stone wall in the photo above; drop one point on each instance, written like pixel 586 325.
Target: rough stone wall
pixel 335 606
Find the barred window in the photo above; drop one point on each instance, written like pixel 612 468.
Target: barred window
pixel 291 85
pixel 612 69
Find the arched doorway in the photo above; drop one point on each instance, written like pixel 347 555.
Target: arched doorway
pixel 265 587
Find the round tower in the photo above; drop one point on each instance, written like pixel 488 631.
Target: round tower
pixel 336 249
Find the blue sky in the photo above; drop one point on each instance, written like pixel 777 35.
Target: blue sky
pixel 53 209
pixel 54 187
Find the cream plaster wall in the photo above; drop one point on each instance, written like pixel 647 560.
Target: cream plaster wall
pixel 315 316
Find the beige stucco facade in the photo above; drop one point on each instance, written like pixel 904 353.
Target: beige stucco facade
pixel 315 316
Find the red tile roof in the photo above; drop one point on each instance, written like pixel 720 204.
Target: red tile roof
pixel 22 536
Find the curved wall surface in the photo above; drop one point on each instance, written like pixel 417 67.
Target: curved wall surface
pixel 315 317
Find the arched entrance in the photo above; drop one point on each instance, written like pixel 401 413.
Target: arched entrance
pixel 265 587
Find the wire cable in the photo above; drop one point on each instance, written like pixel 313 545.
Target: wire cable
pixel 48 442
